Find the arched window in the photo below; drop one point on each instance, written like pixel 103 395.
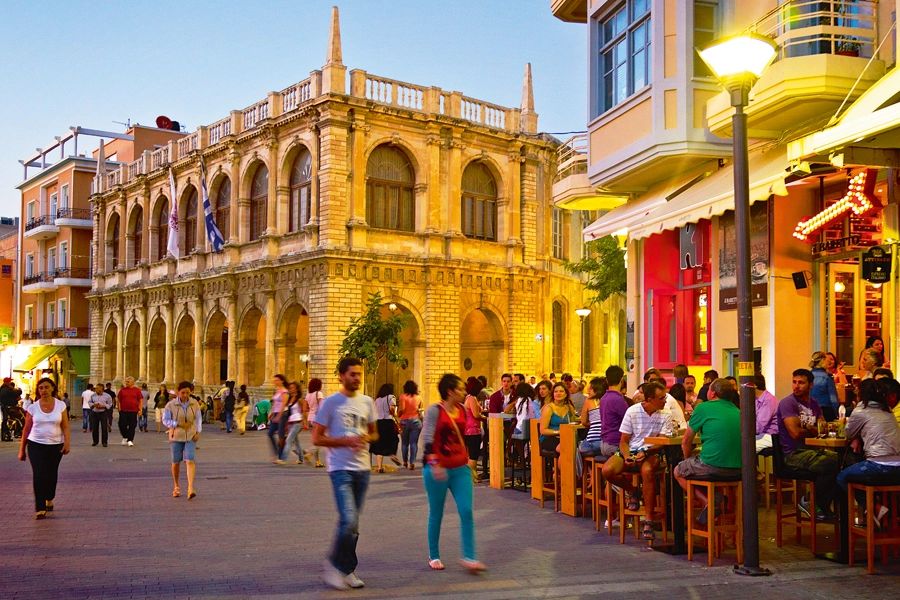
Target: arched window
pixel 301 175
pixel 190 221
pixel 113 242
pixel 137 235
pixel 162 223
pixel 479 203
pixel 556 360
pixel 259 195
pixel 223 207
pixel 390 202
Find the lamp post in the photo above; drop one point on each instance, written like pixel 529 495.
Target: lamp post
pixel 582 314
pixel 737 62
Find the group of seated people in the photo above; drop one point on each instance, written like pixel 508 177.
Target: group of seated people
pixel 618 427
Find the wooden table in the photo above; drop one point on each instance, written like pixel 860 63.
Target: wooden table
pixel 568 480
pixel 497 449
pixel 672 449
pixel 841 445
pixel 537 462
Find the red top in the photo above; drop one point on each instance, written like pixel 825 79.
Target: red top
pixel 130 399
pixel 448 445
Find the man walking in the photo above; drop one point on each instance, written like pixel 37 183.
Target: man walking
pixel 112 396
pixel 100 403
pixel 145 399
pixel 8 399
pixel 345 424
pixel 86 407
pixel 130 400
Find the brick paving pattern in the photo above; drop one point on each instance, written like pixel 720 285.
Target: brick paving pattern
pixel 257 530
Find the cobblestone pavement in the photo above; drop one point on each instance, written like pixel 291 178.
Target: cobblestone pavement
pixel 260 530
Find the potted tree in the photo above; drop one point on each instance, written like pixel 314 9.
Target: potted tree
pixel 847 46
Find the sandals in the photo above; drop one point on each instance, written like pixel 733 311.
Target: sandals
pixel 473 566
pixel 41 514
pixel 48 505
pixel 647 531
pixel 176 492
pixel 192 495
pixel 436 564
pixel 632 503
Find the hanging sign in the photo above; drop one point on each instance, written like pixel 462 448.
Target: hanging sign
pixel 859 199
pixel 876 264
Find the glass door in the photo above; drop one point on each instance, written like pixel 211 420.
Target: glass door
pixel 845 310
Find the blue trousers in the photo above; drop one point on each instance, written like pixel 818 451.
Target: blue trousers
pixel 349 492
pixel 459 482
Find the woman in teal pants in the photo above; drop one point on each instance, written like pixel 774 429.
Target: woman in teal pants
pixel 446 468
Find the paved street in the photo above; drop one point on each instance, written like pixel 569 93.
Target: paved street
pixel 260 530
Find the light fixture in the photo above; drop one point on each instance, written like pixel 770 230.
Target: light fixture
pixel 582 312
pixel 877 286
pixel 739 56
pixel 839 287
pixel 392 307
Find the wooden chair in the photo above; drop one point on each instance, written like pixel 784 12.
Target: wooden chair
pixel 603 497
pixel 889 535
pixel 636 515
pixel 550 483
pixel 729 521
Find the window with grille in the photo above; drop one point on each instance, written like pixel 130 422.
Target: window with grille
pixel 624 52
pixel 557 239
pixel 479 203
pixel 138 235
pixel 162 221
pixel 558 337
pixel 64 255
pixel 114 242
pixel 301 176
pixel 190 221
pixel 390 199
pixel 259 196
pixel 223 207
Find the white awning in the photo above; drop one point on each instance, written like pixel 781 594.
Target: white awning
pixel 622 218
pixel 715 195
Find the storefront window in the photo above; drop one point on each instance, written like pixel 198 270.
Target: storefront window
pixel 701 323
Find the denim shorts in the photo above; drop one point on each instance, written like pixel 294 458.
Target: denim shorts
pixel 183 451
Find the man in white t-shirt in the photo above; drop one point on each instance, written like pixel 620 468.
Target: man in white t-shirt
pixel 86 407
pixel 345 424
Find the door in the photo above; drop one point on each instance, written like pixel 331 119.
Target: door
pixel 844 311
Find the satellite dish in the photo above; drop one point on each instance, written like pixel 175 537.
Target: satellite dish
pixel 163 122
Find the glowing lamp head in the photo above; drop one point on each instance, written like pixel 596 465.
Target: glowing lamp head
pixel 741 57
pixel 582 312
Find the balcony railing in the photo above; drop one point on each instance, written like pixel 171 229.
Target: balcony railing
pixel 70 273
pixel 74 213
pixel 571 156
pixel 807 27
pixel 43 277
pixel 56 332
pixel 33 334
pixel 38 221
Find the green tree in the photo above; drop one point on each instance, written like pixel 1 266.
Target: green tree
pixel 604 266
pixel 373 338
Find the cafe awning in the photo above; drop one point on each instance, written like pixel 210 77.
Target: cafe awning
pixel 38 355
pixel 81 360
pixel 714 195
pixel 622 218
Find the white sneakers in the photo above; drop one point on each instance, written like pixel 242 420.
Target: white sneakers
pixel 334 578
pixel 124 442
pixel 354 581
pixel 131 443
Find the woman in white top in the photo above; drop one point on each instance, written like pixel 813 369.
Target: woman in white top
pixel 314 398
pixel 388 439
pixel 294 420
pixel 44 440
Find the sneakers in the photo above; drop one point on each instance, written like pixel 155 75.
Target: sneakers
pixel 334 578
pixel 804 509
pixel 615 523
pixel 354 581
pixel 124 442
pixel 130 443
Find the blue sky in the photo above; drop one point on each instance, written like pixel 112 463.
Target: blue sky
pixel 73 62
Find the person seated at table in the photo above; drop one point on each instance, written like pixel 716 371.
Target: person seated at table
pixel 591 445
pixel 873 423
pixel 525 408
pixel 556 413
pixel 798 417
pixel 718 421
pixel 823 390
pixel 766 412
pixel 613 405
pixel 635 455
pixel 672 408
pixel 651 374
pixel 678 392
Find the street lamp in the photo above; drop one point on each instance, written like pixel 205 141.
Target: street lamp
pixel 582 314
pixel 737 62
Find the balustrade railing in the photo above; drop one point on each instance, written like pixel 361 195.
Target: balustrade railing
pixel 159 158
pixel 37 222
pixel 188 144
pixel 483 113
pixel 73 213
pixel 256 113
pixel 295 95
pixel 42 277
pixel 70 273
pixel 571 156
pixel 135 168
pixel 219 130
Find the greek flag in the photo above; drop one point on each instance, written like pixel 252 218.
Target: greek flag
pixel 172 243
pixel 212 230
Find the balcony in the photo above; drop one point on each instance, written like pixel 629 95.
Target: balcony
pixel 74 217
pixel 823 47
pixel 571 188
pixel 39 283
pixel 69 336
pixel 72 277
pixel 571 11
pixel 41 228
pixel 31 335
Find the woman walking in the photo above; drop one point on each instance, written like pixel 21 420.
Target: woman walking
pixel 159 405
pixel 474 417
pixel 385 413
pixel 410 423
pixel 45 439
pixel 241 408
pixel 445 469
pixel 314 399
pixel 294 409
pixel 276 431
pixel 184 423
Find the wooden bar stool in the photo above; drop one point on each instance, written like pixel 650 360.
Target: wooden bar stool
pixel 604 497
pixel 550 478
pixel 889 535
pixel 717 525
pixel 588 486
pixel 625 514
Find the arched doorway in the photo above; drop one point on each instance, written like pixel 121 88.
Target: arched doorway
pixel 292 343
pixel 482 345
pixel 215 350
pixel 412 348
pixel 156 351
pixel 184 349
pixel 252 349
pixel 133 350
pixel 110 342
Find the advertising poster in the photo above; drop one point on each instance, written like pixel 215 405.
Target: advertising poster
pixel 759 257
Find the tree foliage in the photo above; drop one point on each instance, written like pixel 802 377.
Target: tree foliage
pixel 374 338
pixel 604 266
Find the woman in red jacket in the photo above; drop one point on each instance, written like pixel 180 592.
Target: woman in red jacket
pixel 446 468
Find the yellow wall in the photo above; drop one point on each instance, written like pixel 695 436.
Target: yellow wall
pixel 626 129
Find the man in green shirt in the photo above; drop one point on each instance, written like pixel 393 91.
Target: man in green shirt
pixel 718 421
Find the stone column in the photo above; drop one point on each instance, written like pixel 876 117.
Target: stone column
pixel 232 340
pixel 234 221
pixel 454 188
pixel 170 344
pixel 120 346
pixel 142 360
pixel 270 335
pixel 272 196
pixel 198 341
pixel 514 197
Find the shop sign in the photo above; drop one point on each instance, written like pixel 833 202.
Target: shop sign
pixel 859 199
pixel 690 245
pixel 837 244
pixel 876 264
pixel 71 332
pixel 759 258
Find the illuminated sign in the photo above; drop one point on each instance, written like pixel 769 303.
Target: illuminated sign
pixel 858 200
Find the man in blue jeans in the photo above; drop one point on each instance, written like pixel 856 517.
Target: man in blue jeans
pixel 345 424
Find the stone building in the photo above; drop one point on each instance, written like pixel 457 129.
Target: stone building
pixel 334 188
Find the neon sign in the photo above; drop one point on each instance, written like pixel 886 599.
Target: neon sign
pixel 859 200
